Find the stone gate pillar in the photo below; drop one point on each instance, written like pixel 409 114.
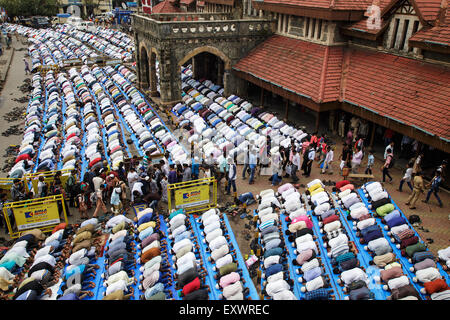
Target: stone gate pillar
pixel 170 81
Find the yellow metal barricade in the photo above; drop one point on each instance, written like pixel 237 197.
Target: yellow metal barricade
pixel 193 196
pixel 39 213
pixel 6 183
pixel 48 177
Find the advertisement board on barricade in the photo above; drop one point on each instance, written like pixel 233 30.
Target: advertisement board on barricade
pixel 39 213
pixel 193 196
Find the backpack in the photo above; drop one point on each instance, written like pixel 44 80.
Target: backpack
pixel 392 163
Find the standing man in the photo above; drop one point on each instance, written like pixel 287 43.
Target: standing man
pixel 223 168
pixel 295 165
pixel 246 161
pixel 434 187
pixel 27 66
pixel 345 157
pixel 187 173
pixel 389 146
pixel 349 139
pixel 311 157
pixel 418 188
pixel 132 177
pixel 172 176
pixel 354 124
pixel 328 160
pixel 356 159
pixel 100 204
pixel 370 162
pixel 253 162
pixel 387 165
pixel 276 168
pixel 195 168
pixel 406 178
pixel 231 175
pixel 70 188
pixel 17 193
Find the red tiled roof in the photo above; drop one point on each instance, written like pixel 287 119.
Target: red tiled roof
pixel 362 26
pixel 429 9
pixel 328 4
pixel 165 7
pixel 403 89
pixel 303 67
pixel 437 35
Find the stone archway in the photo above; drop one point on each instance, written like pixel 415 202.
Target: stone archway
pixel 144 70
pixel 210 49
pixel 208 62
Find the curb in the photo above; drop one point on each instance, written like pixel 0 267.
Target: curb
pixel 8 65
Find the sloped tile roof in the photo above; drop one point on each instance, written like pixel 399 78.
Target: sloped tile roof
pixel 306 68
pixel 414 93
pixel 165 7
pixel 437 35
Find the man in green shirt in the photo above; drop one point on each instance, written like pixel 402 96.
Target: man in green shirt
pixel 70 187
pixel 223 168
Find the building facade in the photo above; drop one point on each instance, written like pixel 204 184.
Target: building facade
pixel 385 62
pixel 87 7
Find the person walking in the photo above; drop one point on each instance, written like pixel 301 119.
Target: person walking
pixel 115 201
pixel 295 165
pixel 253 162
pixel 284 160
pixel 311 157
pixel 27 66
pixel 276 168
pixel 231 176
pixel 82 206
pixel 418 188
pixel 407 177
pixel 246 162
pixel 70 188
pixel 370 162
pixel 387 165
pixel 8 40
pixel 434 187
pixel 223 168
pixel 98 198
pixel 326 165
